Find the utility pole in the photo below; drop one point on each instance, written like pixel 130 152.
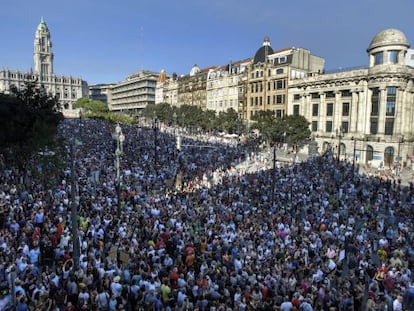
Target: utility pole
pixel 119 136
pixel 74 210
pixel 273 174
pixel 339 143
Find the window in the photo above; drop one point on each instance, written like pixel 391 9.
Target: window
pixel 328 127
pixel 268 100
pixel 374 126
pixel 370 153
pixel 279 113
pixel 345 109
pixel 280 84
pixel 315 110
pixel 251 101
pixel 296 97
pixel 269 84
pixel 389 126
pixel 315 95
pixel 296 110
pixel 279 71
pixel 345 127
pixel 378 58
pixel 280 99
pixel 282 60
pixel 393 57
pixel 391 97
pixel 375 100
pixel 346 93
pixel 329 109
pixel 330 94
pixel 256 101
pixel 314 126
pixel 260 100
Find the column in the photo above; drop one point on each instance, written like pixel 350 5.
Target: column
pixel 353 114
pixel 381 112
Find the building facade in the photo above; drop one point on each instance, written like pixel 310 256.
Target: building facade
pixel 269 74
pixel 192 88
pixel 66 89
pixel 133 94
pixel 225 89
pixel 166 90
pixel 364 115
pixel 100 92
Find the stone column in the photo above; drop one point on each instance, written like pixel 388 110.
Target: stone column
pixel 381 112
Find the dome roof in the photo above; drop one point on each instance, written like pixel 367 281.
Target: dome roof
pixel 264 51
pixel 389 37
pixel 194 70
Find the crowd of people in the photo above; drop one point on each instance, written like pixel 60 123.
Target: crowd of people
pixel 190 229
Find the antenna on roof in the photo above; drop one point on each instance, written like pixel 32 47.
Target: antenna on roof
pixel 141 48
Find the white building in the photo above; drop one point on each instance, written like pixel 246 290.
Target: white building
pixel 364 115
pixel 67 89
pixel 133 94
pixel 224 87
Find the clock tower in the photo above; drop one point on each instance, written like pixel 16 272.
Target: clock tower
pixel 43 55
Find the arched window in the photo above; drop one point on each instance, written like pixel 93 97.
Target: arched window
pixel 370 153
pixel 326 146
pixel 342 150
pixel 388 156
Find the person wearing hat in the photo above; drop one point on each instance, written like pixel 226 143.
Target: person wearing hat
pixel 116 287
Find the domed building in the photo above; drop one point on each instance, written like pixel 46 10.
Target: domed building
pixel 364 115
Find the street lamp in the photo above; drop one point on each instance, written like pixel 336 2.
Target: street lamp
pixel 274 174
pixel 339 142
pixel 74 208
pixel 175 121
pixel 155 124
pixel 119 136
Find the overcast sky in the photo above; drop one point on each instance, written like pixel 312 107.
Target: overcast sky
pixel 103 41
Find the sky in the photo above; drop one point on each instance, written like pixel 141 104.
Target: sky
pixel 104 41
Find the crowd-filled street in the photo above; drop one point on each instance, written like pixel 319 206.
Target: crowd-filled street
pixel 208 226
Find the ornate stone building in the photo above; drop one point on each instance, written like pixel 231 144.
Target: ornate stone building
pixel 166 90
pixel 365 115
pixel 225 88
pixel 269 73
pixel 192 88
pixel 67 89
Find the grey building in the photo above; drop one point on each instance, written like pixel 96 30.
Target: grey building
pixel 365 115
pixel 67 89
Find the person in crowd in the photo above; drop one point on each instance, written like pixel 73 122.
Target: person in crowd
pixel 206 228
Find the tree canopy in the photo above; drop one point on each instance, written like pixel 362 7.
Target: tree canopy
pixel 293 129
pixel 28 122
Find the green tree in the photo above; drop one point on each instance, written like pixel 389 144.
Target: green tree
pixel 91 106
pixel 28 122
pixel 265 123
pixel 296 129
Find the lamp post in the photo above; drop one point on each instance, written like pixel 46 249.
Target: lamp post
pixel 339 142
pixel 155 128
pixel 74 209
pixel 175 120
pixel 274 174
pixel 119 136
